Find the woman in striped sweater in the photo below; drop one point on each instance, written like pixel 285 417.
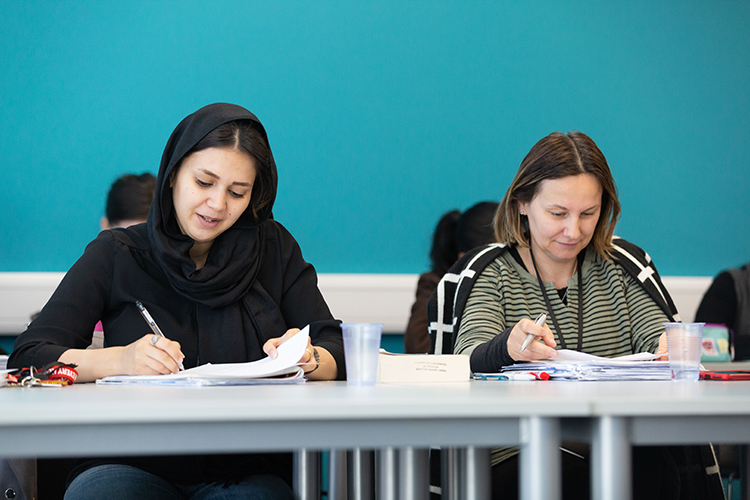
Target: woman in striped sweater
pixel 557 221
pixel 602 295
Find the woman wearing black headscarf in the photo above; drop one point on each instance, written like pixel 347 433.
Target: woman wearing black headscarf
pixel 224 281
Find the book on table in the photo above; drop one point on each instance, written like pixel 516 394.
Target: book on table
pixel 410 368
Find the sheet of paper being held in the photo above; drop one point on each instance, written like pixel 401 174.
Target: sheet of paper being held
pixel 289 353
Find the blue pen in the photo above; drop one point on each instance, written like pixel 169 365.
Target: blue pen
pixel 505 376
pixel 489 376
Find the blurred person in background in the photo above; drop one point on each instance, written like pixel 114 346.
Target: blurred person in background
pixel 456 233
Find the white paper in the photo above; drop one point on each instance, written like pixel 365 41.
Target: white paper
pixel 574 365
pixel 290 352
pixel 570 355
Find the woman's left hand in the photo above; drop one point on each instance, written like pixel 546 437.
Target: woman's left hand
pixel 663 352
pixel 270 346
pixel 309 361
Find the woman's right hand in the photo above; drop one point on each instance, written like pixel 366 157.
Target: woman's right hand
pixel 139 358
pixel 144 357
pixel 536 350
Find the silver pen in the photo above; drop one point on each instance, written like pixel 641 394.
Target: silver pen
pixel 538 321
pixel 154 327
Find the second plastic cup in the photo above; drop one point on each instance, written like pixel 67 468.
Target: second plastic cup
pixel 361 348
pixel 684 344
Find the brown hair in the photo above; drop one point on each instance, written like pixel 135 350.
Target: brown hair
pixel 555 156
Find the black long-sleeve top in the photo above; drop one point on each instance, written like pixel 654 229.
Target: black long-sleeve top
pixel 115 271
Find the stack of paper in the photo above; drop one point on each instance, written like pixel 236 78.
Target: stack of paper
pixel 281 370
pixel 573 365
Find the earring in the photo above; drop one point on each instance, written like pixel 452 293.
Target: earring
pixel 522 213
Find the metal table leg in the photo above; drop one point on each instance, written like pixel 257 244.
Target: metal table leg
pixel 386 474
pixel 475 481
pixel 540 474
pixel 744 472
pixel 414 474
pixel 450 473
pixel 360 474
pixel 337 475
pixel 306 478
pixel 611 452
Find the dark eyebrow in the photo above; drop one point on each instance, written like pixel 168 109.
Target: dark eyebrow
pixel 211 174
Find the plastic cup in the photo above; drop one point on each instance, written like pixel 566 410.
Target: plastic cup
pixel 361 348
pixel 684 344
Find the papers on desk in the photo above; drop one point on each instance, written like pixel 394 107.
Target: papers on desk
pixel 574 365
pixel 282 370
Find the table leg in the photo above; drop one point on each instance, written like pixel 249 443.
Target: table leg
pixel 744 472
pixel 611 467
pixel 360 474
pixel 337 475
pixel 386 474
pixel 476 481
pixel 450 473
pixel 414 474
pixel 540 474
pixel 306 475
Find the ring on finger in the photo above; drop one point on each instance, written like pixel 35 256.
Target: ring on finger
pixel 154 339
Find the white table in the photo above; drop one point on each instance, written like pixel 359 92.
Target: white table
pixel 88 420
pixel 658 413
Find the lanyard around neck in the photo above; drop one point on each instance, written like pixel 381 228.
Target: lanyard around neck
pixel 549 304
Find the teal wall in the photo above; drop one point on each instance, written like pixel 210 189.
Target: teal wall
pixel 382 115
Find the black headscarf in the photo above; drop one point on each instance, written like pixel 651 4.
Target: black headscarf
pixel 235 256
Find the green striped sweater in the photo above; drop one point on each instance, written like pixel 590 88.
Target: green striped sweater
pixel 619 316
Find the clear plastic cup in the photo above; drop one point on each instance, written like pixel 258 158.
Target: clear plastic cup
pixel 361 348
pixel 684 344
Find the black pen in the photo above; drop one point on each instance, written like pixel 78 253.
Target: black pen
pixel 154 327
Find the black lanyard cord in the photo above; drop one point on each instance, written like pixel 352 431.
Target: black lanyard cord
pixel 549 304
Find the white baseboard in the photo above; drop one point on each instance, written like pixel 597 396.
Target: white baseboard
pixel 21 295
pixel 371 298
pixel 353 298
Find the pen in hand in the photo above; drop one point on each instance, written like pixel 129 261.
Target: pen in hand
pixel 538 321
pixel 152 324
